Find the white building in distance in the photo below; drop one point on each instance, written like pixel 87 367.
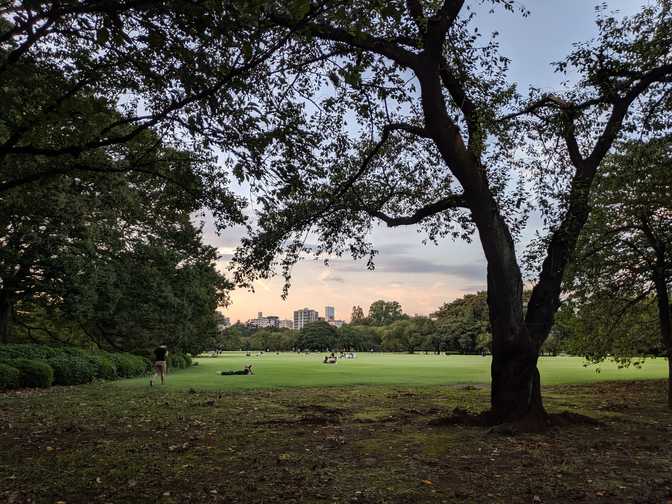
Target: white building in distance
pixel 264 322
pixel 329 313
pixel 286 324
pixel 336 323
pixel 303 317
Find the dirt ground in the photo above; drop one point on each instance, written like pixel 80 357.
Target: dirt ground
pixel 375 444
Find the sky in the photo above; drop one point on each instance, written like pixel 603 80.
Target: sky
pixel 423 277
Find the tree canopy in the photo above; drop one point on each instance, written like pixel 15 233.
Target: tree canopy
pixel 112 255
pixel 464 324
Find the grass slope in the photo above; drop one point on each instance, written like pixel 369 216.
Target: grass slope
pixel 292 370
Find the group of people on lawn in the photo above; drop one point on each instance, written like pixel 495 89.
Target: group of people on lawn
pixel 332 359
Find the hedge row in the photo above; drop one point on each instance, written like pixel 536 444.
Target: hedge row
pixel 26 365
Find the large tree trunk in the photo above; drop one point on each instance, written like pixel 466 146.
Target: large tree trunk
pixel 669 379
pixel 516 384
pixel 516 388
pixel 664 317
pixel 5 316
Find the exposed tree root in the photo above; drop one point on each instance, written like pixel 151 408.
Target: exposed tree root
pixel 537 422
pixel 567 418
pixel 461 416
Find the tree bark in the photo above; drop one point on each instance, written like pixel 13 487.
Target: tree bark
pixel 664 317
pixel 5 316
pixel 516 385
pixel 669 379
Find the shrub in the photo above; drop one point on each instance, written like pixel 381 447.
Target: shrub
pixel 33 373
pixel 188 360
pixel 107 370
pixel 72 369
pixel 9 377
pixel 103 365
pixel 129 365
pixel 178 360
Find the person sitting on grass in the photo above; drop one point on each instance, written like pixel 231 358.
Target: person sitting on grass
pixel 247 370
pixel 160 365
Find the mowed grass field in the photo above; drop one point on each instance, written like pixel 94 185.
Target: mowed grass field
pixel 298 370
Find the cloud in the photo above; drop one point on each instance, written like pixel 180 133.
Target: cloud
pixel 396 248
pixel 329 277
pixel 225 253
pixel 388 249
pixel 404 264
pixel 263 285
pixel 409 264
pixel 474 288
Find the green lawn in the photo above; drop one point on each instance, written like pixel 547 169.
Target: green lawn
pixel 368 444
pixel 292 370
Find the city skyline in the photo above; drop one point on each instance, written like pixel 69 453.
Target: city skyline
pixel 336 317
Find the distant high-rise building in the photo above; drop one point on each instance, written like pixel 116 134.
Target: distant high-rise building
pixel 286 324
pixel 303 317
pixel 329 313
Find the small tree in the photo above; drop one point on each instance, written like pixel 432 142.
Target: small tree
pixel 623 271
pixel 357 317
pixel 465 323
pixel 385 312
pixel 317 336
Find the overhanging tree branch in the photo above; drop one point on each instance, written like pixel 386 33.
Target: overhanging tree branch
pixel 149 120
pixel 364 41
pixel 553 101
pixel 64 170
pixel 449 202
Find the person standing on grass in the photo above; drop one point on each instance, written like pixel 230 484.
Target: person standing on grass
pixel 159 364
